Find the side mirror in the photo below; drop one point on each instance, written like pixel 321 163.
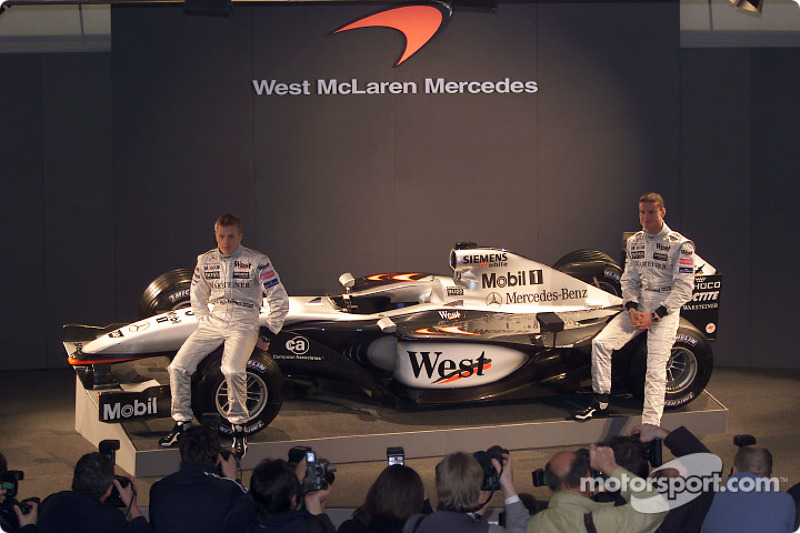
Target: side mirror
pixel 386 325
pixel 347 280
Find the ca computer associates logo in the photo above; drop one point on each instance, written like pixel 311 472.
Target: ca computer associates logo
pixel 417 23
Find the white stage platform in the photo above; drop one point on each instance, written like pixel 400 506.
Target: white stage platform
pixel 348 430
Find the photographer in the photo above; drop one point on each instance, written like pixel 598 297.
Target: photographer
pixel 462 503
pixel 81 510
pixel 571 507
pixel 688 517
pixel 275 503
pixel 397 494
pixel 751 502
pixel 196 498
pixel 12 516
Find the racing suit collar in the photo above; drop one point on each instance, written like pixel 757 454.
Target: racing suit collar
pixel 660 235
pixel 236 253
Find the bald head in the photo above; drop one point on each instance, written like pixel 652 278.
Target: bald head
pixel 565 470
pixel 754 460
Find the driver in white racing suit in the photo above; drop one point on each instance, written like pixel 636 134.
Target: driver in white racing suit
pixel 658 280
pixel 232 279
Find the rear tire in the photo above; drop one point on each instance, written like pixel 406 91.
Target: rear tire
pixel 688 369
pixel 593 267
pixel 264 391
pixel 168 292
pixel 582 256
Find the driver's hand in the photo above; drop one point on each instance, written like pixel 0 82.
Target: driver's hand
pixel 262 344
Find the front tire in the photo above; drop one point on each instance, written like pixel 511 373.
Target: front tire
pixel 688 369
pixel 264 391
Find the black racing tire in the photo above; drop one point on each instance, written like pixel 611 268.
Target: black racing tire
pixel 264 391
pixel 688 369
pixel 168 292
pixel 581 256
pixel 593 267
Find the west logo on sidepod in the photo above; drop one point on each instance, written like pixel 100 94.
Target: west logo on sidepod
pixel 418 24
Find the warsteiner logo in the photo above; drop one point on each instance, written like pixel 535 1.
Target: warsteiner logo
pixel 446 370
pixel 418 24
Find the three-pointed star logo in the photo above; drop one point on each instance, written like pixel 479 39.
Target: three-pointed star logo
pixel 494 300
pixel 418 24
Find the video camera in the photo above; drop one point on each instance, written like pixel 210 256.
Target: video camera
pixel 109 448
pixel 491 478
pixel 319 472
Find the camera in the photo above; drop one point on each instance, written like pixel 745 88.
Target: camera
pixel 10 481
pixel 491 478
pixel 109 448
pixel 654 452
pixel 297 453
pixel 319 472
pixel 539 477
pixel 395 455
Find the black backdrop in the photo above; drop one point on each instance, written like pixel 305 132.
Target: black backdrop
pixel 117 163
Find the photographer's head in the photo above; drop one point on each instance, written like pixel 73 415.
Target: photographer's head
pixel 272 487
pixel 753 460
pixel 94 475
pixel 565 470
pixel 631 454
pixel 458 483
pixel 199 444
pixel 397 494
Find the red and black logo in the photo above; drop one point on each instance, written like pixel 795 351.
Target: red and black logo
pixel 417 23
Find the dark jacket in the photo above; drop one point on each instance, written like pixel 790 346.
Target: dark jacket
pixel 242 518
pixel 76 512
pixel 353 526
pixel 195 498
pixel 687 518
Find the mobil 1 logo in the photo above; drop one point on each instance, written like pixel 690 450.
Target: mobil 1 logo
pixel 519 278
pixel 122 406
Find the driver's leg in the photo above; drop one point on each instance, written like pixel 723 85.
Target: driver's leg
pixel 614 336
pixel 660 339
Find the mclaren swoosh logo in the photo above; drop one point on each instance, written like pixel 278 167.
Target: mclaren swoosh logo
pixel 418 24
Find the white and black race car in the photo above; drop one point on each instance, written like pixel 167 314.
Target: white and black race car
pixel 500 327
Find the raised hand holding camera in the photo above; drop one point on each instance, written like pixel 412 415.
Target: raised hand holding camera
pixel 602 458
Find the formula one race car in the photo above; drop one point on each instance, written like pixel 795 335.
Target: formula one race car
pixel 500 327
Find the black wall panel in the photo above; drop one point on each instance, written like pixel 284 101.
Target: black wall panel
pixel 715 182
pixel 775 189
pixel 182 139
pixel 608 122
pixel 22 267
pixel 77 195
pixel 118 163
